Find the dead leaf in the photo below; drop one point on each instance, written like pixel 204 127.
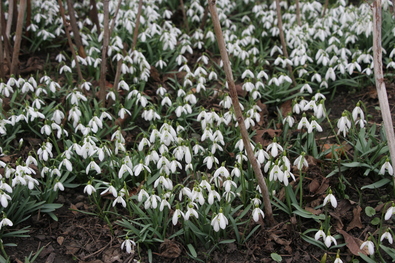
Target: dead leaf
pixel 286 108
pixel 73 208
pixel 352 243
pixel 5 158
pixel 240 91
pixel 356 220
pixel 170 249
pixel 314 185
pixel 313 211
pixel 60 240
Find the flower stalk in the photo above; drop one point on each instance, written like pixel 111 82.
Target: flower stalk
pixel 238 112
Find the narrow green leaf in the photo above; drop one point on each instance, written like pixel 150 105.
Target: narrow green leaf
pixel 378 184
pixel 192 250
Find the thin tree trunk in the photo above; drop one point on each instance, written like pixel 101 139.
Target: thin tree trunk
pixel 184 15
pixel 10 16
pixel 325 7
pixel 77 65
pixel 298 13
pixel 94 15
pixel 2 64
pixel 239 114
pixel 106 40
pixel 6 46
pixel 74 27
pixel 379 78
pixel 282 39
pixel 18 38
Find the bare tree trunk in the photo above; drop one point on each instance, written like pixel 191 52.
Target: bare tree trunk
pixel 325 7
pixel 77 65
pixel 239 114
pixel 282 39
pixel 106 40
pixel 184 15
pixel 379 77
pixel 94 15
pixel 6 46
pixel 74 27
pixel 2 64
pixel 298 13
pixel 18 38
pixel 11 7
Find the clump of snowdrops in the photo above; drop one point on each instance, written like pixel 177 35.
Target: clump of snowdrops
pixel 172 161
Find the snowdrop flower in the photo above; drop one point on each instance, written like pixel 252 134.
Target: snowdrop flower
pixel 111 189
pixel 219 221
pixel 274 148
pixel 303 122
pixel 176 215
pixel 5 222
pixel 287 174
pixel 320 233
pixel 338 260
pixel 128 245
pixel 314 125
pixel 387 235
pixel 390 212
pixel 122 112
pixel 119 199
pixel 58 185
pixel 89 189
pixel 93 166
pixel 387 166
pixel 329 240
pixel 191 211
pixel 256 213
pixel 210 160
pixel 4 199
pixel 275 172
pixel 301 161
pixel 343 124
pixel 290 120
pixel 358 112
pixel 370 246
pixel 212 194
pixel 330 198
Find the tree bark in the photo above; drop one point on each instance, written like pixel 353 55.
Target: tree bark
pixel 379 78
pixel 239 115
pixel 18 38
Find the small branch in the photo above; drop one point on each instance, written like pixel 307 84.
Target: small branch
pixel 18 38
pixel 106 40
pixel 136 27
pixel 77 65
pixel 115 17
pixel 282 39
pixel 379 78
pixel 74 27
pixel 325 7
pixel 239 114
pixel 184 16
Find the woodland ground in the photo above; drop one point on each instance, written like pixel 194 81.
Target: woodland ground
pixel 81 237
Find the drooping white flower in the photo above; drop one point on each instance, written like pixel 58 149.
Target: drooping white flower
pixel 89 189
pixel 256 213
pixel 176 215
pixel 343 124
pixel 387 235
pixel 320 233
pixel 387 166
pixel 330 198
pixel 301 161
pixel 274 148
pixel 128 245
pixel 370 246
pixel 390 212
pixel 219 221
pixel 329 240
pixel 5 222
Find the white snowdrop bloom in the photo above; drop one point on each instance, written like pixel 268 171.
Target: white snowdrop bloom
pixel 5 222
pixel 330 198
pixel 177 215
pixel 197 195
pixel 122 112
pixel 320 233
pixel 152 201
pixel 4 199
pixel 370 246
pixel 387 235
pixel 119 199
pixel 143 143
pixel 275 173
pixel 93 166
pixel 314 126
pixel 95 123
pixel 219 221
pixel 289 120
pixel 210 160
pixel 58 185
pixel 139 168
pixel 274 148
pixel 261 155
pixel 358 112
pixel 128 245
pixel 191 211
pixel 89 189
pixel 329 240
pixel 257 213
pixel 307 88
pixel 227 185
pixel 343 124
pixel 387 166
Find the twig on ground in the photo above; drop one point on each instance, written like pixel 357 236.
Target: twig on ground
pixel 239 115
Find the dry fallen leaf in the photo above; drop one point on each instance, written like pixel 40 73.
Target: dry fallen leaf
pixel 356 220
pixel 60 240
pixel 352 243
pixel 170 249
pixel 314 185
pixel 286 108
